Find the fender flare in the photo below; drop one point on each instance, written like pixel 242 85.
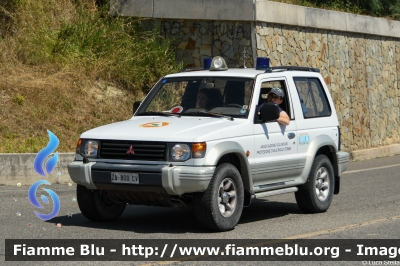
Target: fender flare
pixel 231 147
pixel 315 145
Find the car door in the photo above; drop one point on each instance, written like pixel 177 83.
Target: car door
pixel 275 161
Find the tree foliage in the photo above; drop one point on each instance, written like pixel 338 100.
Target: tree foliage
pixel 378 8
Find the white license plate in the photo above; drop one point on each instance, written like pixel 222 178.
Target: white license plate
pixel 129 178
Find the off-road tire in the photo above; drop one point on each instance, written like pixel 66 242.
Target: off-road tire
pixel 317 193
pixel 225 184
pixel 97 208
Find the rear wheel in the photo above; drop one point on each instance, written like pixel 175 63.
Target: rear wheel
pixel 317 193
pixel 96 207
pixel 219 208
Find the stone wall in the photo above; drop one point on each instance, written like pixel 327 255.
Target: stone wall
pixel 196 40
pixel 361 70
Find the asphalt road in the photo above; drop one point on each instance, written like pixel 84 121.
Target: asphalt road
pixel 368 207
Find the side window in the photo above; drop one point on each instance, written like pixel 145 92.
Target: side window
pixel 266 87
pixel 312 97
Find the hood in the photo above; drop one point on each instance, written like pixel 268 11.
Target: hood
pixel 171 129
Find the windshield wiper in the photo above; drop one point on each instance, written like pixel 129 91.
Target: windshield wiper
pixel 159 113
pixel 210 114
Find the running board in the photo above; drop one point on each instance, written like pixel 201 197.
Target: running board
pixel 274 192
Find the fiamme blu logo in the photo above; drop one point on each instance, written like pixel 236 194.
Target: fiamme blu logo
pixel 44 164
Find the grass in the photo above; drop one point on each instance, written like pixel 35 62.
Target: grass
pixel 62 102
pixel 68 66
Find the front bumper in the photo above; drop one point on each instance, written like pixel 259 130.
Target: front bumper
pixel 175 180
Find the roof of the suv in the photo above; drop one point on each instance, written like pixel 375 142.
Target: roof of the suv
pixel 232 72
pixel 241 72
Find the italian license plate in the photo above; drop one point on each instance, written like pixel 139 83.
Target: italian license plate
pixel 128 178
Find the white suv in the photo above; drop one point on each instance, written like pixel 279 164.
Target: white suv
pixel 216 156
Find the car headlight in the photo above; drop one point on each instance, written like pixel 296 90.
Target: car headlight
pixel 182 151
pixel 87 148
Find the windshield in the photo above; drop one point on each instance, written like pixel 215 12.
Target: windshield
pixel 200 96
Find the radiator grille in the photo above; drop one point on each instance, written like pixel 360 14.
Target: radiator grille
pixel 133 150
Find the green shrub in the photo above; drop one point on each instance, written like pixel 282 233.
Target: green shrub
pixel 377 8
pixel 76 35
pixel 19 99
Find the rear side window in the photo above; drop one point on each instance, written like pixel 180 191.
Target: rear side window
pixel 312 96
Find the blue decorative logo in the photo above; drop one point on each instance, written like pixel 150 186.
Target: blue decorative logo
pixel 32 198
pixel 304 139
pixel 42 155
pixel 49 165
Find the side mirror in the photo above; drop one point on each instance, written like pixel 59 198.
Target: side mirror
pixel 269 112
pixel 136 106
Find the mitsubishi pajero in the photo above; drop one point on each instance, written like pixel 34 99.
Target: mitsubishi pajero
pixel 217 157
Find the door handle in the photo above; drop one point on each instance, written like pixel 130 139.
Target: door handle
pixel 291 135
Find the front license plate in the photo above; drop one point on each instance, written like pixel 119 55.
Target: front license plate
pixel 129 178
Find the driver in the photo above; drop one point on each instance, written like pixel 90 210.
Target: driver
pixel 203 100
pixel 276 96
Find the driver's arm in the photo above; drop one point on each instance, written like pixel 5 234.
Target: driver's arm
pixel 283 118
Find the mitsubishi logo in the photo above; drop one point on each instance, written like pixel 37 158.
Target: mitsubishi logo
pixel 130 151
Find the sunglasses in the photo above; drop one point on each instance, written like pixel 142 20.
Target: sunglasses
pixel 273 96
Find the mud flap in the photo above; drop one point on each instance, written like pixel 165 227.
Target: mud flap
pixel 337 185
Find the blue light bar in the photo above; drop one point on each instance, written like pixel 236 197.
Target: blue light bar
pixel 262 63
pixel 207 62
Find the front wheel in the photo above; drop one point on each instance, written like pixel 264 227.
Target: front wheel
pixel 317 193
pixel 96 207
pixel 219 207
